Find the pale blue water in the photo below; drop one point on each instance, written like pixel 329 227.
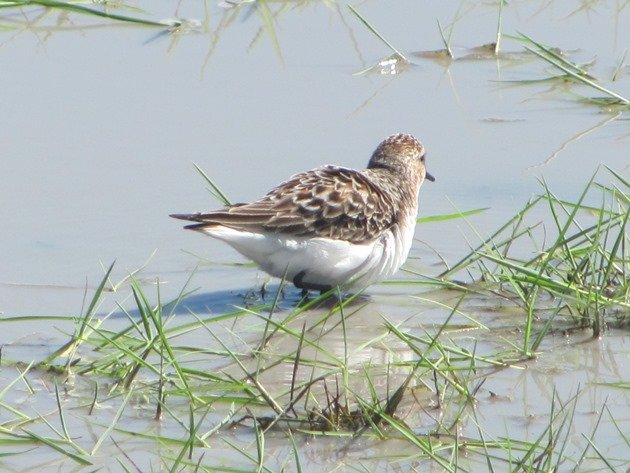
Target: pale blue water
pixel 101 123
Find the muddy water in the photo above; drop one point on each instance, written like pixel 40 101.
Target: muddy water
pixel 102 123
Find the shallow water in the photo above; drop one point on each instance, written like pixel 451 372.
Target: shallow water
pixel 101 151
pixel 102 123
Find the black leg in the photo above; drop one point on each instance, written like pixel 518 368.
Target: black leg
pixel 298 281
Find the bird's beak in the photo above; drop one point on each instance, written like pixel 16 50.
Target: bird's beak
pixel 429 177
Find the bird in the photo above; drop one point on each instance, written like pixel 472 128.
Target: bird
pixel 331 226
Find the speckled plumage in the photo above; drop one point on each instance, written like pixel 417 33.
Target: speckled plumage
pixel 331 225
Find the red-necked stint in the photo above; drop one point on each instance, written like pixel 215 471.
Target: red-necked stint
pixel 331 226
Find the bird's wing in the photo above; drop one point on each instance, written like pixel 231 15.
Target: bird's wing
pixel 329 201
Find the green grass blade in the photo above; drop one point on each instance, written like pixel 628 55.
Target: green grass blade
pixel 55 446
pixel 213 189
pixel 72 7
pixel 441 218
pixel 571 69
pixel 378 35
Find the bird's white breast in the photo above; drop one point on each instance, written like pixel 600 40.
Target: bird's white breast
pixel 325 261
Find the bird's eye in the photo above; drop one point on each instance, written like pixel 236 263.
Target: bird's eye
pixel 422 158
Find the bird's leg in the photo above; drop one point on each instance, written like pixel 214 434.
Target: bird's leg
pixel 298 281
pixel 321 288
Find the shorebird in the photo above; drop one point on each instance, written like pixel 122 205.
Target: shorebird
pixel 330 226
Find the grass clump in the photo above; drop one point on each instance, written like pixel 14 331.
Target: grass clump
pixel 573 72
pixel 581 277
